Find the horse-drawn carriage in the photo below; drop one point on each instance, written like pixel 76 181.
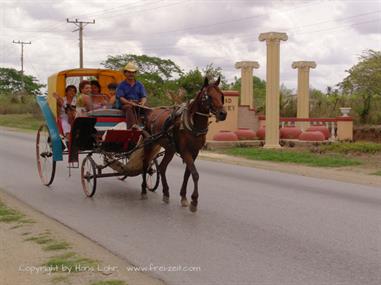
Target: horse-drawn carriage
pixel 108 152
pixel 127 152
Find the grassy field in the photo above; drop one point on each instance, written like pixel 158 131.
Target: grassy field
pixel 304 157
pixel 10 104
pixel 21 121
pixel 19 112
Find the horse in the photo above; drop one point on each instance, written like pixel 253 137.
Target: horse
pixel 182 129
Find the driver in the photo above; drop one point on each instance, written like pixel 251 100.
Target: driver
pixel 130 94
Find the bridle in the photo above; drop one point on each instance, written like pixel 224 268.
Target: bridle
pixel 207 99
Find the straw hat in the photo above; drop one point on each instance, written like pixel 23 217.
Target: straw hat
pixel 130 67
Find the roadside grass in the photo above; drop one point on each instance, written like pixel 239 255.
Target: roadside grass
pixel 40 239
pixel 378 173
pixel 109 282
pixel 50 244
pixel 61 264
pixel 352 148
pixel 8 215
pixel 57 245
pixel 71 261
pixel 60 279
pixel 21 121
pixel 290 156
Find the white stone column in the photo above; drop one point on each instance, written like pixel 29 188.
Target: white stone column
pixel 272 87
pixel 303 97
pixel 247 81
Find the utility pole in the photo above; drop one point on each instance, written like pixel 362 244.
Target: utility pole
pixel 80 25
pixel 22 53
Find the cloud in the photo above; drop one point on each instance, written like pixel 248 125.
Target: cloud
pixel 191 33
pixel 365 15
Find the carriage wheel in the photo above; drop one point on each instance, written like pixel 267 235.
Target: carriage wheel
pixel 46 166
pixel 89 176
pixel 153 176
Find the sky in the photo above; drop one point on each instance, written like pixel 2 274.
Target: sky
pixel 192 33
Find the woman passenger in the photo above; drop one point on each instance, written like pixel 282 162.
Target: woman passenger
pixel 67 108
pixel 98 100
pixel 84 100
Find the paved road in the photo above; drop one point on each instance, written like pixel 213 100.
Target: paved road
pixel 253 226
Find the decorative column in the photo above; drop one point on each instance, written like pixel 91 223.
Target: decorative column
pixel 247 81
pixel 272 87
pixel 303 102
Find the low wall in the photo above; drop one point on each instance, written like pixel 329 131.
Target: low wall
pixel 341 128
pixel 247 118
pixel 231 122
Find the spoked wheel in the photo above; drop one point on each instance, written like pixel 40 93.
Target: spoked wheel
pixel 153 176
pixel 44 153
pixel 88 176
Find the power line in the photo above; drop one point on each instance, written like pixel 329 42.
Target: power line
pixel 111 10
pixel 213 24
pixel 80 25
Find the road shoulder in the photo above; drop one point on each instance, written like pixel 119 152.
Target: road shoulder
pixel 343 174
pixel 24 243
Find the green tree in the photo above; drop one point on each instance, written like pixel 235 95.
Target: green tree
pixel 288 107
pixel 163 78
pixel 12 81
pixel 213 73
pixel 164 69
pixel 157 74
pixel 191 82
pixel 364 82
pixel 259 92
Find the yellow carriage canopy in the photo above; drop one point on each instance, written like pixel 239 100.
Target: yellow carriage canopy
pixel 58 81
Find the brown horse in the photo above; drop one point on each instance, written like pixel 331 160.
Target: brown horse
pixel 182 129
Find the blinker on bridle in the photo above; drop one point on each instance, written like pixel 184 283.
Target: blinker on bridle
pixel 206 98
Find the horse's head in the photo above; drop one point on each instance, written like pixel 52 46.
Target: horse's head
pixel 211 100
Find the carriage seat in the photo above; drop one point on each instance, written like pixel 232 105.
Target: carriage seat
pixel 106 118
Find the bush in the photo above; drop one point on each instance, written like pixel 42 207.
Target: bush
pixel 350 148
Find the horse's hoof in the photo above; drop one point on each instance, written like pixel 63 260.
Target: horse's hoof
pixel 184 203
pixel 144 197
pixel 192 208
pixel 166 199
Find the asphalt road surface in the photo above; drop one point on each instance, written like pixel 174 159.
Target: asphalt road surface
pixel 253 226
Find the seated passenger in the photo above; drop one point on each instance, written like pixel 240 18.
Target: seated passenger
pixel 112 93
pixel 67 108
pixel 98 100
pixel 84 100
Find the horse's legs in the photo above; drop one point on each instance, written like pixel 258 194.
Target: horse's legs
pixel 183 191
pixel 146 157
pixel 189 161
pixel 162 169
